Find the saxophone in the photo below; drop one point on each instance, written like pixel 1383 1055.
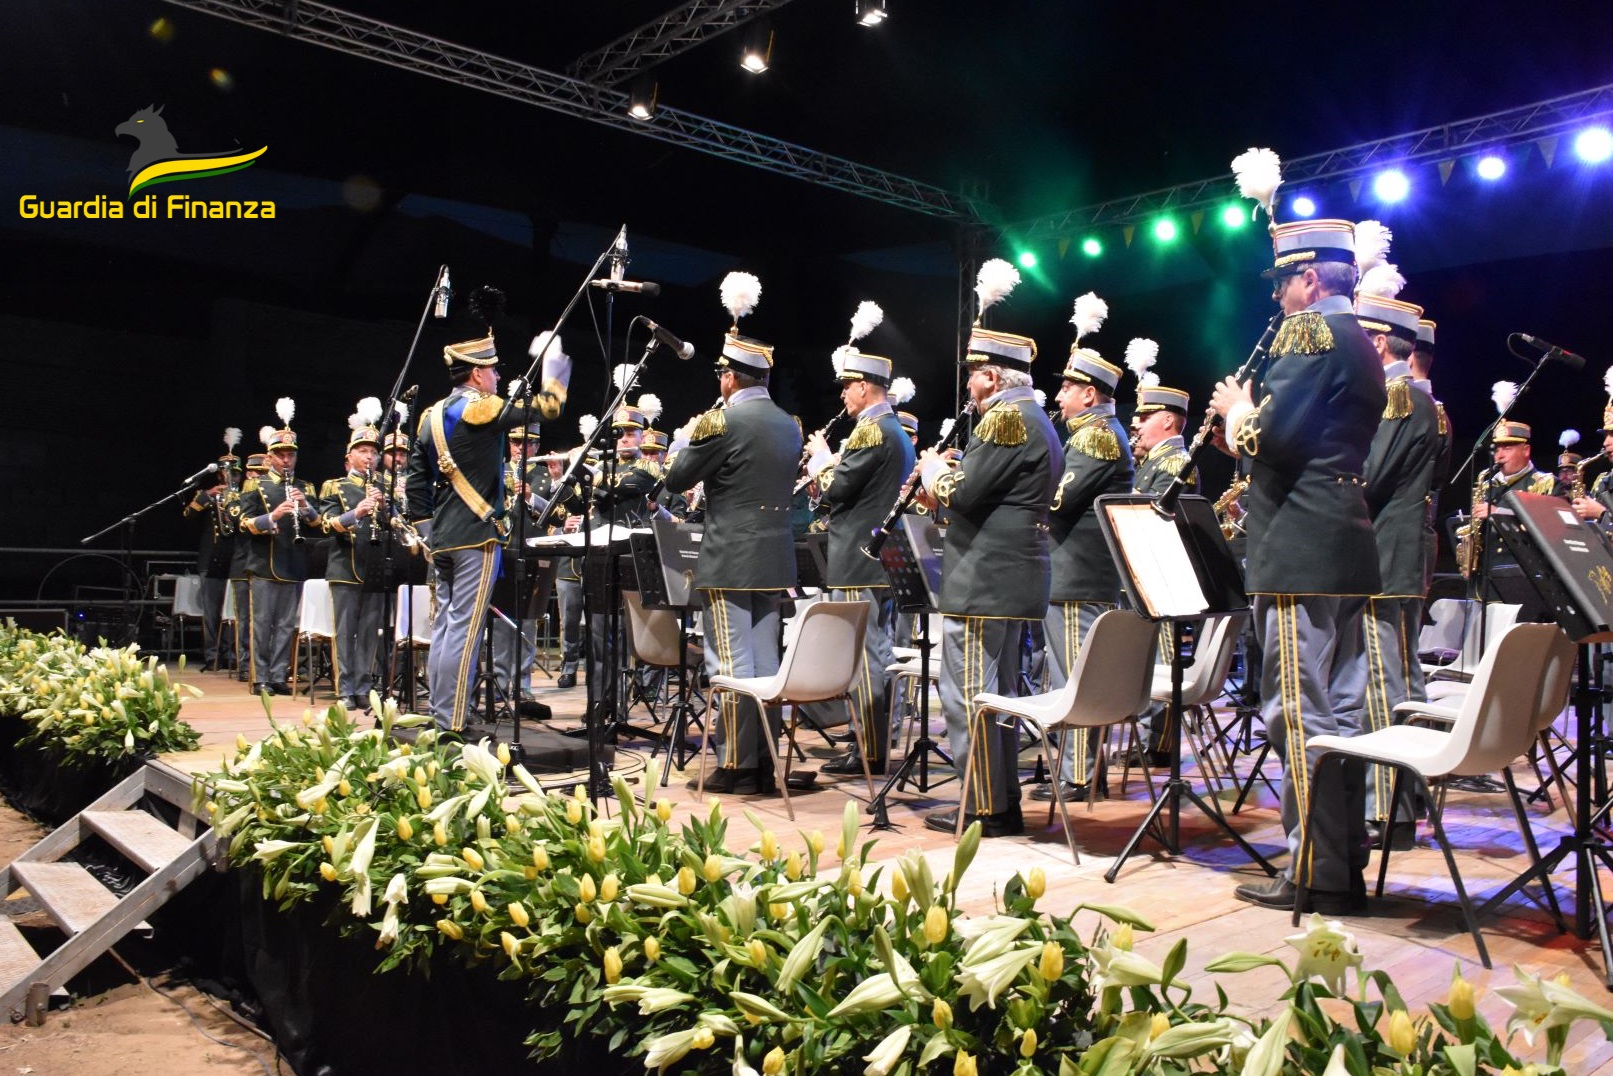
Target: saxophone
pixel 1468 553
pixel 1577 487
pixel 1231 526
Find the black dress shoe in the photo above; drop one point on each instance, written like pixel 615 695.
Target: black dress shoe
pixel 851 764
pixel 799 780
pixel 1401 838
pixel 1073 793
pixel 533 710
pixel 566 680
pixel 1280 893
pixel 729 782
pixel 261 689
pixel 1009 823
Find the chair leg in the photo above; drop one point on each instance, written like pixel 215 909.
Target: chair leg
pixel 963 795
pixel 1058 796
pixel 706 742
pixel 781 767
pixel 296 643
pixel 1534 849
pixel 1056 770
pixel 1389 828
pixel 1434 816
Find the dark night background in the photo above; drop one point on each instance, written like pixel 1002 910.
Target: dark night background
pixel 131 344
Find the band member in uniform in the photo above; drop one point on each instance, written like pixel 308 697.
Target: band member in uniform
pixel 1596 503
pixel 277 510
pixel 351 509
pixel 1399 474
pixel 568 580
pixel 747 454
pixel 1422 366
pixel 1312 559
pixel 996 574
pixel 858 486
pixel 1160 417
pixel 1514 470
pixel 220 507
pixel 1086 584
pixel 1567 461
pixel 456 471
pixel 241 565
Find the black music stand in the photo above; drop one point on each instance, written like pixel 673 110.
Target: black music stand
pixel 1571 567
pixel 912 561
pixel 1174 568
pixel 664 560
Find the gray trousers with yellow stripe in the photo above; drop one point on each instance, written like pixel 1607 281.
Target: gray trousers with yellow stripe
pixel 870 694
pixel 1312 676
pixel 357 613
pixel 274 625
pixel 464 586
pixel 742 639
pixel 981 654
pixel 1393 673
pixel 1067 625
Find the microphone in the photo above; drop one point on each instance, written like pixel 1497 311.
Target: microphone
pixel 1568 358
pixel 439 307
pixel 211 468
pixel 644 287
pixel 618 254
pixel 409 394
pixel 685 350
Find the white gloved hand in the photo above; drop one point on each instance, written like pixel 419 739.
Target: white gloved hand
pixel 556 363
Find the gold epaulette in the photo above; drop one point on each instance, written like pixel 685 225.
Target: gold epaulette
pixel 480 412
pixel 1399 403
pixel 249 484
pixel 1173 464
pixel 1542 483
pixel 713 423
pixel 1444 419
pixel 331 486
pixel 865 435
pixel 1097 441
pixel 1304 333
pixel 1002 425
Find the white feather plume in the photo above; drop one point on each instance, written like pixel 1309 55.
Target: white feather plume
pixel 1503 393
pixel 232 437
pixel 1607 381
pixel 901 391
pixel 1259 173
pixel 1090 312
pixel 266 435
pixel 1372 241
pixel 838 358
pixel 355 421
pixel 1141 354
pixel 740 294
pixel 1041 398
pixel 994 283
pixel 866 319
pixel 622 375
pixel 586 425
pixel 403 413
pixel 1382 280
pixel 286 408
pixel 1568 438
pixel 369 410
pixel 946 427
pixel 650 404
pixel 1148 379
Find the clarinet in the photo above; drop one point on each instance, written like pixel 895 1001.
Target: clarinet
pixel 910 488
pixel 806 453
pixel 290 480
pixel 369 487
pixel 1166 504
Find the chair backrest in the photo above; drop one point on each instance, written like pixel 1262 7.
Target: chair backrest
pixel 824 657
pixel 1498 713
pixel 652 634
pixel 1120 651
pixel 411 619
pixel 1205 677
pixel 187 596
pixel 228 616
pixel 1448 630
pixel 1555 686
pixel 792 623
pixel 1498 617
pixel 316 616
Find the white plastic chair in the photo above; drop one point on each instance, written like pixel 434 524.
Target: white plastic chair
pixel 819 666
pixel 230 619
pixel 1203 681
pixel 1448 630
pixel 1494 724
pixel 655 638
pixel 185 603
pixel 1120 651
pixel 316 621
pixel 411 617
pixel 1497 618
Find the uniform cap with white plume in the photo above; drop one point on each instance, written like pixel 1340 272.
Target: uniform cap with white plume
pixel 1384 280
pixel 1259 173
pixel 1568 438
pixel 1379 314
pixel 586 425
pixel 650 405
pixel 284 438
pixel 995 281
pixel 741 292
pixel 232 437
pixel 266 435
pixel 621 374
pixel 364 424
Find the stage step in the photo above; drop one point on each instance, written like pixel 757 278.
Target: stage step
pixel 91 916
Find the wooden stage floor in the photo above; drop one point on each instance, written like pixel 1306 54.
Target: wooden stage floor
pixel 1415 932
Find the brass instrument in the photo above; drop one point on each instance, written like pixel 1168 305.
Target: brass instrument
pixel 1577 487
pixel 806 453
pixel 910 488
pixel 1468 551
pixel 1231 527
pixel 408 535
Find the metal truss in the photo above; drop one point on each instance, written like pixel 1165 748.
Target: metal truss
pixel 676 32
pixel 1495 131
pixel 370 39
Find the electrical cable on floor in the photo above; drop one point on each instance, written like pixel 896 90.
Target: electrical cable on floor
pixel 149 985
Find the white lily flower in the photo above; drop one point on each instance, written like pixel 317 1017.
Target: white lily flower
pixel 992 943
pixel 668 1049
pixel 477 759
pixel 719 1023
pixel 981 983
pixel 397 891
pixel 1335 1064
pixel 1266 1056
pixel 801 957
pixel 446 810
pixel 447 887
pixel 972 927
pixel 871 995
pixel 1533 1011
pixel 739 908
pixel 741 1068
pixel 1192 1039
pixel 650 999
pixel 888 1052
pixel 269 851
pixel 1326 951
pixel 758 1007
pixel 389 927
pixel 1122 967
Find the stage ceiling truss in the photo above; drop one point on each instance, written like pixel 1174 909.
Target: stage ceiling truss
pixel 676 32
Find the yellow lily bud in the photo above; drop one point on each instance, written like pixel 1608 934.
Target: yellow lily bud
pixel 608 888
pixel 1051 965
pixel 769 846
pixel 579 793
pixel 450 928
pixel 793 866
pixel 439 898
pixel 613 965
pixel 596 828
pixel 1123 938
pixel 540 857
pixel 512 948
pixel 587 890
pixel 472 858
pixel 1036 884
pixel 439 835
pixel 1461 999
pixel 321 805
pixel 854 881
pixel 512 823
pixel 432 768
pixel 663 810
pixel 327 871
pixel 419 775
pixel 423 798
pixel 1161 1024
pixel 703 1038
pixel 712 868
pixel 405 830
pixel 758 952
pixel 941 1014
pixel 778 911
pixel 773 1063
pixel 518 913
pixel 1402 1036
pixel 328 843
pixel 573 812
pixel 815 841
pixel 686 880
pixel 596 849
pixel 584 916
pixel 937 925
pixel 529 873
pixel 503 753
pixel 899 887
pixel 1027 1044
pixel 652 949
pixel 344 787
pixel 241 742
pixel 964 1064
pixel 478 902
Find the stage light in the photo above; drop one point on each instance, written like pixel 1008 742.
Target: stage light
pixel 1091 247
pixel 1304 206
pixel 1027 259
pixel 1594 145
pixel 221 79
pixel 871 12
pixel 641 101
pixel 162 30
pixel 758 54
pixel 1165 230
pixel 1492 166
pixel 1391 186
pixel 1234 216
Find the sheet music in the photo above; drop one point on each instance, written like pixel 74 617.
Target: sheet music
pixel 599 536
pixel 1158 561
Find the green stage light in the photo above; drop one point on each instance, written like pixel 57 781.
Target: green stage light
pixel 1165 230
pixel 1091 248
pixel 1027 260
pixel 1234 216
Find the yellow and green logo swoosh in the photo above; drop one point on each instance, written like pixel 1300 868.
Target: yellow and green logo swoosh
pixel 170 171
